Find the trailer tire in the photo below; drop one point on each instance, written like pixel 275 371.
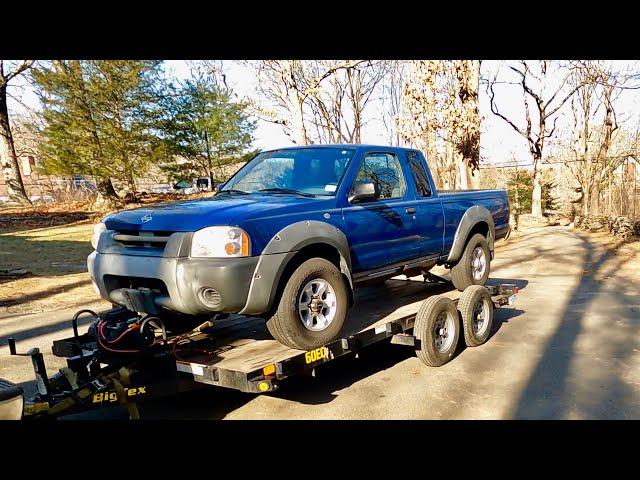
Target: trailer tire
pixel 476 309
pixel 435 348
pixel 474 265
pixel 287 325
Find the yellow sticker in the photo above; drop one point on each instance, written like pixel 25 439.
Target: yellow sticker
pixel 316 354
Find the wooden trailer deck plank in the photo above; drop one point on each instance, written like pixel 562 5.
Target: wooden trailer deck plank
pixel 247 345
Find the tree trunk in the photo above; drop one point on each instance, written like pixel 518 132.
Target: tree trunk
pixel 595 196
pixel 462 178
pixel 211 180
pixel 303 139
pixel 8 158
pixel 106 193
pixel 473 99
pixel 536 198
pixel 209 161
pixel 586 200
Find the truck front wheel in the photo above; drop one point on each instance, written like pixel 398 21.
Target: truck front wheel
pixel 474 264
pixel 313 306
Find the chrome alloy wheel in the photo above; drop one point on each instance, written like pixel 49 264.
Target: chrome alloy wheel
pixel 478 263
pixel 317 305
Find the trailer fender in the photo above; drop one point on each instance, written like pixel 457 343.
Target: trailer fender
pixel 472 217
pixel 281 249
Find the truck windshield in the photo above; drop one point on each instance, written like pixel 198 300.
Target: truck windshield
pixel 310 171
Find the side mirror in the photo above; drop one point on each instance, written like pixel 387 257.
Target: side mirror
pixel 364 191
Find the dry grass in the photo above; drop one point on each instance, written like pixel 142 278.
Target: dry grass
pixel 52 242
pixel 56 257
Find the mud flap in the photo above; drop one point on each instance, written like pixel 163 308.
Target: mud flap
pixel 11 401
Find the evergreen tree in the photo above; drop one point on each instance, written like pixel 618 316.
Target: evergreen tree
pixel 101 118
pixel 207 128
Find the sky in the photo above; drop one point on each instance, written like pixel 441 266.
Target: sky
pixel 499 142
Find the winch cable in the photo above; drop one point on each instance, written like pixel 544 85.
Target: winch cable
pixel 184 336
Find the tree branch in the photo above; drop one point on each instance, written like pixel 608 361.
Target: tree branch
pixel 25 65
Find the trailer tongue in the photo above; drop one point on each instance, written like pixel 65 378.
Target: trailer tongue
pixel 124 359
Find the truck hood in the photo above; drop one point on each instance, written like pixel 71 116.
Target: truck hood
pixel 192 215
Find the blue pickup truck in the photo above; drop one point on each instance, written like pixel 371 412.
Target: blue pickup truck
pixel 292 234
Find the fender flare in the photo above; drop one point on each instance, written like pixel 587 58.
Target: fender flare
pixel 469 220
pixel 281 249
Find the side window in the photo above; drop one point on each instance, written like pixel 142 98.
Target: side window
pixel 385 170
pixel 419 174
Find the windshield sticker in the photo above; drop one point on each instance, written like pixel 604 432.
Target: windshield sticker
pixel 330 188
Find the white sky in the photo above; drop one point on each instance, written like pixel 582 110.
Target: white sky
pixel 499 142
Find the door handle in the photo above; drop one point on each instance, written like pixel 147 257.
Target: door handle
pixel 410 210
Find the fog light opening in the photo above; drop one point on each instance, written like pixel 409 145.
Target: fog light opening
pixel 210 297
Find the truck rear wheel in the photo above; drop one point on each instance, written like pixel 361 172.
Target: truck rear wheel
pixel 476 310
pixel 474 264
pixel 313 306
pixel 437 328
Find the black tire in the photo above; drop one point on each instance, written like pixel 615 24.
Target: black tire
pixel 425 326
pixel 473 298
pixel 462 272
pixel 286 325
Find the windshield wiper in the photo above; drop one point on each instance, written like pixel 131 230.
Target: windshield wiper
pixel 233 190
pixel 286 190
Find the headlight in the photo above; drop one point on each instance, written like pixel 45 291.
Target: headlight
pixel 98 228
pixel 220 242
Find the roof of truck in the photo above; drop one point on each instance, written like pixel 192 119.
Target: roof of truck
pixel 335 145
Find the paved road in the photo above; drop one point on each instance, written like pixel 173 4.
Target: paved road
pixel 569 350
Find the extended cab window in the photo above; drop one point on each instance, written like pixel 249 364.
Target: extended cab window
pixel 419 175
pixel 385 170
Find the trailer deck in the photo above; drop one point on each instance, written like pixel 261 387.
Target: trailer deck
pixel 236 352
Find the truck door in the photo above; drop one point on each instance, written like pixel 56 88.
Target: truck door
pixel 430 216
pixel 382 232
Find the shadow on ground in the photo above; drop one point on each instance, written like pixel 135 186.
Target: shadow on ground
pixel 550 392
pixel 11 222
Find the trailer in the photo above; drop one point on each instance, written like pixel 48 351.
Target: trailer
pixel 238 353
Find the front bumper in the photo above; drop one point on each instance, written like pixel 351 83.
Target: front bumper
pixel 183 278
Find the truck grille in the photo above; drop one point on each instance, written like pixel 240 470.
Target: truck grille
pixel 148 239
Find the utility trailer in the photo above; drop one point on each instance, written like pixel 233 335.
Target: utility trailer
pixel 238 353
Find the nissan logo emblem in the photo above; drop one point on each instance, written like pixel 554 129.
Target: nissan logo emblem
pixel 146 218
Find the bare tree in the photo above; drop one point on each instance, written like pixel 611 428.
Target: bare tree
pixel 468 133
pixel 595 150
pixel 213 69
pixel 391 100
pixel 338 106
pixel 440 113
pixel 290 88
pixel 8 158
pixel 533 79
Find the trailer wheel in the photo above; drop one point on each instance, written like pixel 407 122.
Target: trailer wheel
pixel 474 264
pixel 437 328
pixel 476 309
pixel 312 308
